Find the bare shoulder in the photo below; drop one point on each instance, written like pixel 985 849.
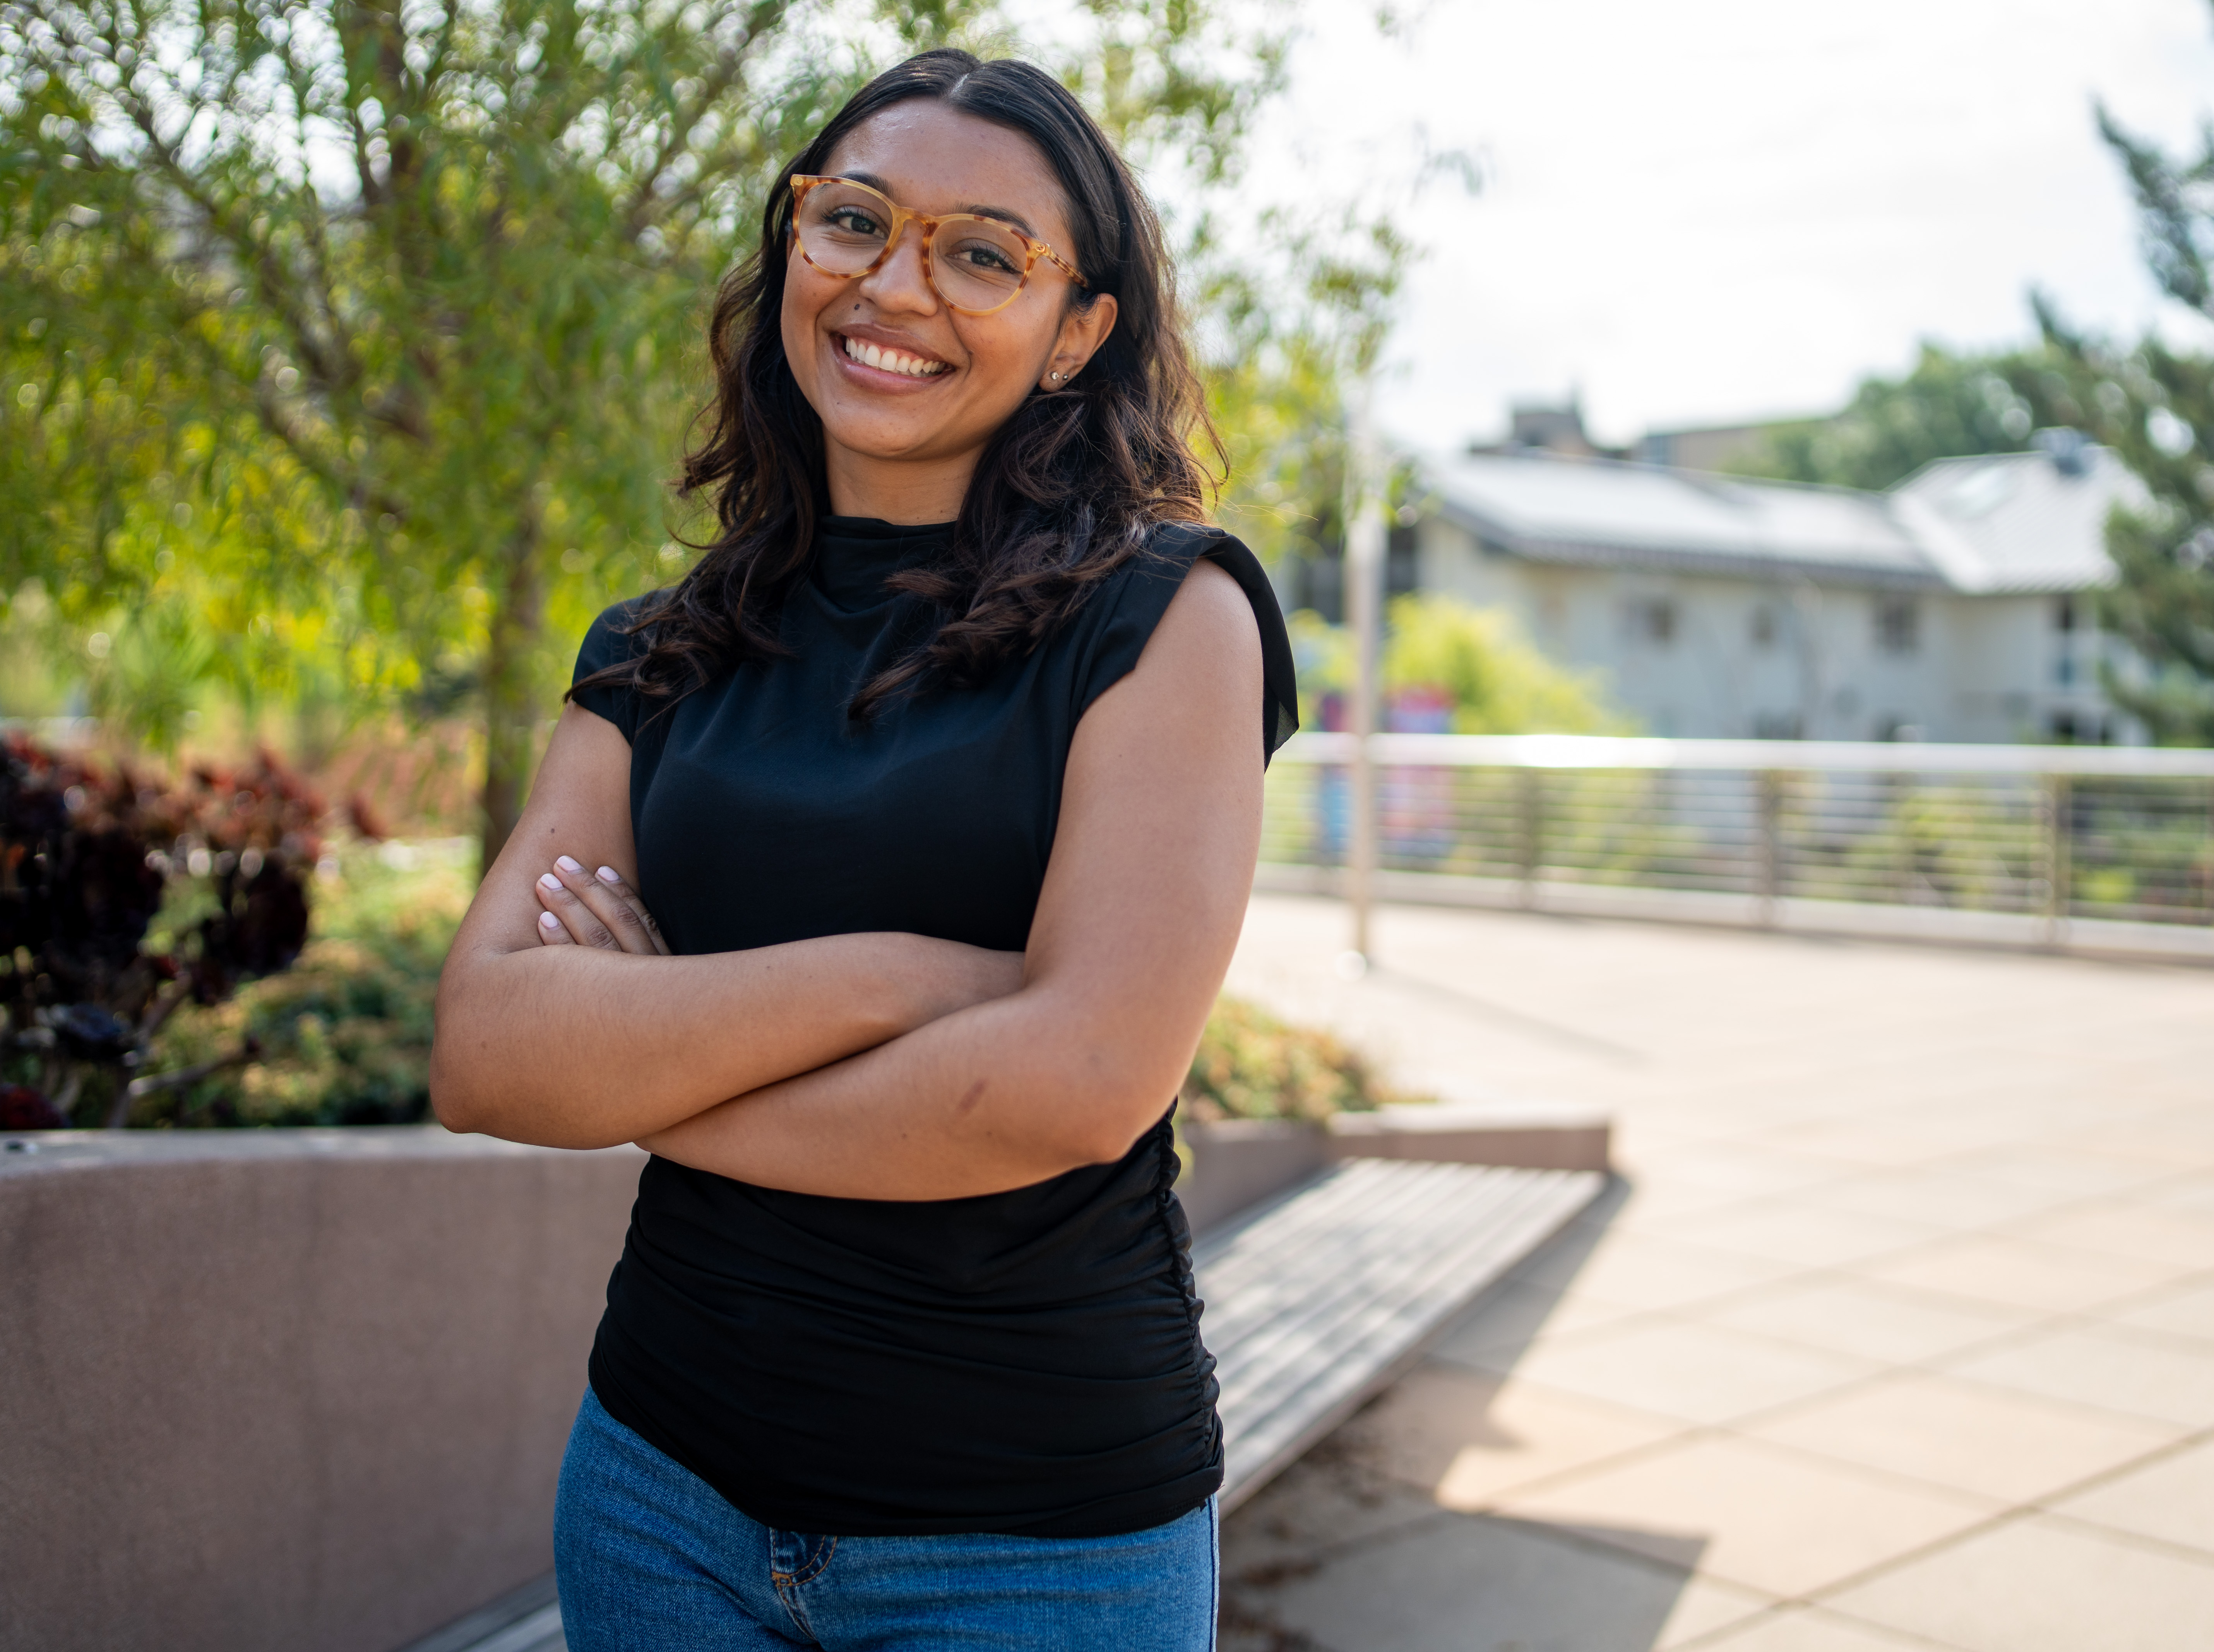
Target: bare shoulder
pixel 1210 619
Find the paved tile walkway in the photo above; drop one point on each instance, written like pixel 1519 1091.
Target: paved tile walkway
pixel 1898 1332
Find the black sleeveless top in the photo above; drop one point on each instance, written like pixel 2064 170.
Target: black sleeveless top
pixel 1027 1361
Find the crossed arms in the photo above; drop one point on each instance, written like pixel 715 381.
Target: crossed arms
pixel 880 1066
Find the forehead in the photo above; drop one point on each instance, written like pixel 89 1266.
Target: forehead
pixel 934 159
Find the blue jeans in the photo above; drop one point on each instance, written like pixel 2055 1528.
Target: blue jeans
pixel 650 1558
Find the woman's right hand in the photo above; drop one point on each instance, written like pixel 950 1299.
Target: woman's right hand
pixel 598 909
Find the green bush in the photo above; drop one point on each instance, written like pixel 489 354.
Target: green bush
pixel 1481 661
pixel 344 1034
pixel 1250 1065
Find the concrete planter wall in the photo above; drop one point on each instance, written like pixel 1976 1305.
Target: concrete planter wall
pixel 1531 1136
pixel 1238 1162
pixel 287 1389
pixel 276 1391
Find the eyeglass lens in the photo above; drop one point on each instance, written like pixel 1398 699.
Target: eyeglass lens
pixel 974 264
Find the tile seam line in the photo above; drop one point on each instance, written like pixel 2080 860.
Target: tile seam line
pixel 1684 1316
pixel 1706 1433
pixel 1599 1548
pixel 2003 1505
pixel 1907 1640
pixel 2175 1448
pixel 1992 1518
pixel 1490 1505
pixel 1325 1552
pixel 2087 1411
pixel 2020 1515
pixel 1694 1315
pixel 2178 1552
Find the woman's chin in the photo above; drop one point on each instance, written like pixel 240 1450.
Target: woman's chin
pixel 889 447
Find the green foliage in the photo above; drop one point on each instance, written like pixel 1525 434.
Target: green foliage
pixel 1250 1065
pixel 1498 680
pixel 1970 846
pixel 1293 310
pixel 1947 405
pixel 362 336
pixel 2154 404
pixel 344 1035
pixel 126 895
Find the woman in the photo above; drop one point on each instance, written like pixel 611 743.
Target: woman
pixel 941 773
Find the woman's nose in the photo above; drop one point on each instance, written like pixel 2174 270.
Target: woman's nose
pixel 903 280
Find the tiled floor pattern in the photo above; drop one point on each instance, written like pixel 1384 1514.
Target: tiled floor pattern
pixel 1898 1332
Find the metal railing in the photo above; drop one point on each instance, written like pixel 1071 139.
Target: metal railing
pixel 2101 847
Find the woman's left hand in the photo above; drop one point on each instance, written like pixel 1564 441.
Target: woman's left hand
pixel 594 910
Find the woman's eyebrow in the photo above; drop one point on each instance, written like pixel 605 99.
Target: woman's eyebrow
pixel 1005 214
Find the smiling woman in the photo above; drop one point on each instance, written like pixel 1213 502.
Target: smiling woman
pixel 878 880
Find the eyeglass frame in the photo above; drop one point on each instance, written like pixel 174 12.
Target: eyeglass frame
pixel 803 183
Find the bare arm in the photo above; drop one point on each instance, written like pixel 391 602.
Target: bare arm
pixel 1153 861
pixel 588 1045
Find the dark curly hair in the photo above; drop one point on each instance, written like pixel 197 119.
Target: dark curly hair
pixel 1067 490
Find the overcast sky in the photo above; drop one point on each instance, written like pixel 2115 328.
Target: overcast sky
pixel 1716 210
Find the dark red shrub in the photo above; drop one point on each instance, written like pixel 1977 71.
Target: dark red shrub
pixel 89 854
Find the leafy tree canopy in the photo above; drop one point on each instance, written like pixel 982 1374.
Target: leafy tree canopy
pixel 1947 405
pixel 347 343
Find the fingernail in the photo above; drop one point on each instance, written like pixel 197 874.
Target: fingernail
pixel 547 880
pixel 608 874
pixel 548 921
pixel 567 864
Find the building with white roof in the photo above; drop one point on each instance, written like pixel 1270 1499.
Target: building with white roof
pixel 1951 607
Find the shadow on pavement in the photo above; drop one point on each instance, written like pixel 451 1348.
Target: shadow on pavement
pixel 1340 1556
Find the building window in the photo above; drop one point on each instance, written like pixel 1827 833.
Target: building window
pixel 2064 670
pixel 1764 626
pixel 1898 625
pixel 1652 621
pixel 1402 561
pixel 1318 583
pixel 2064 615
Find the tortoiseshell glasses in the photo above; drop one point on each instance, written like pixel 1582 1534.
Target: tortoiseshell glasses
pixel 976 265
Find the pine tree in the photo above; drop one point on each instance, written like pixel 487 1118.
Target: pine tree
pixel 2154 404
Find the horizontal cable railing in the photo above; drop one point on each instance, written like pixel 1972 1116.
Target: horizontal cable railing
pixel 2058 845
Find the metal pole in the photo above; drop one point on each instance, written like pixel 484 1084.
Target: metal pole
pixel 1364 603
pixel 1530 817
pixel 1771 789
pixel 2059 872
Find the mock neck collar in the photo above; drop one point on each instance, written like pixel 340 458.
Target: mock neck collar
pixel 853 555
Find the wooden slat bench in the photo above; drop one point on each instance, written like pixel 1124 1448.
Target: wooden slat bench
pixel 1316 1299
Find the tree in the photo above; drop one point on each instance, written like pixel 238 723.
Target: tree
pixel 1478 663
pixel 1289 323
pixel 2154 404
pixel 1947 405
pixel 381 314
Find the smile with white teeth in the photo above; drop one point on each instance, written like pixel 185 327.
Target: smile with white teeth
pixel 890 361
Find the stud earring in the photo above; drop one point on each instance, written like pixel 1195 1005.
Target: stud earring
pixel 1058 378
